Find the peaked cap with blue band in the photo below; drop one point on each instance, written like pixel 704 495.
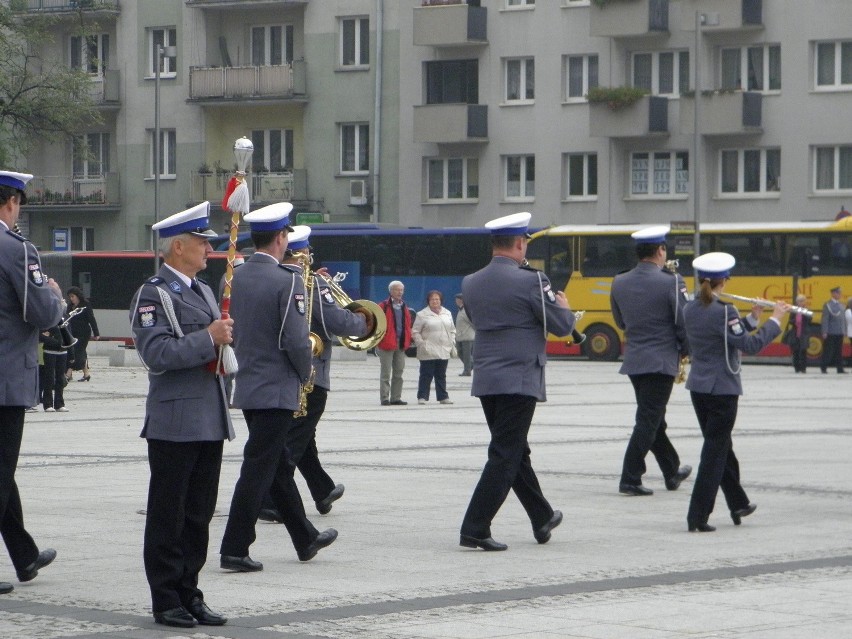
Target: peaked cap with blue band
pixel 714 266
pixel 275 217
pixel 651 235
pixel 193 220
pixel 514 224
pixel 298 238
pixel 17 181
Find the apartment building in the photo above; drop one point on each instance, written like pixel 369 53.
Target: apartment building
pixel 447 113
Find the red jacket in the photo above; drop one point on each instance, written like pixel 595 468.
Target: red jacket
pixel 390 342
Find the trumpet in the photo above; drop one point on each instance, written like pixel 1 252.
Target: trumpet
pixel 68 340
pixel 380 323
pixel 759 301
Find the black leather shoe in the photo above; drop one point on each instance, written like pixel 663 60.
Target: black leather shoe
pixel 542 535
pixel 271 515
pixel 738 514
pixel 672 483
pixel 399 402
pixel 203 615
pixel 179 617
pixel 324 505
pixel 6 588
pixel 385 402
pixel 44 558
pixel 325 538
pixel 637 490
pixel 486 543
pixel 705 527
pixel 240 564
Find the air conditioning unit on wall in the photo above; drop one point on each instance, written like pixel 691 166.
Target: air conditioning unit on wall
pixel 358 192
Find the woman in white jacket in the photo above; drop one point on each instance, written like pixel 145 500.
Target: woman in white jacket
pixel 434 334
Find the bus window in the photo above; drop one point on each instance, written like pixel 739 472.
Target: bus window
pixel 607 255
pixel 553 256
pixel 797 247
pixel 838 258
pixel 755 254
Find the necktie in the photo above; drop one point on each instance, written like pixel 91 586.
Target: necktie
pixel 195 287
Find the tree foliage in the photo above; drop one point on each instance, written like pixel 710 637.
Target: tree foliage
pixel 40 98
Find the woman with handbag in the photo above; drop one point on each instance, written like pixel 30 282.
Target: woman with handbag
pixel 434 334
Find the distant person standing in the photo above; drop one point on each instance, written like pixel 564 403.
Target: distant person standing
pixel 84 327
pixel 391 349
pixel 647 304
pixel 464 337
pixel 798 329
pixel 29 302
pixel 513 307
pixel 434 335
pixel 833 332
pixel 848 315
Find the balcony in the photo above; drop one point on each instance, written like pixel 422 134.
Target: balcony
pixel 104 91
pixel 617 19
pixel 212 85
pixel 649 116
pixel 450 25
pixel 68 192
pixel 65 7
pixel 265 188
pixel 734 15
pixel 448 123
pixel 243 5
pixel 734 113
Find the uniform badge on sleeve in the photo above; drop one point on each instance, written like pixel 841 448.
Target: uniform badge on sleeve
pixel 299 299
pixel 175 286
pixel 547 290
pixel 147 316
pixel 326 296
pixel 36 275
pixel 736 326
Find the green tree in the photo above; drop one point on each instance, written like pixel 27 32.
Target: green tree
pixel 40 98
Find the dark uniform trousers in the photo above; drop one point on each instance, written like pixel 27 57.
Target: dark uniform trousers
pixel 508 466
pixel 22 549
pixel 303 446
pixel 181 501
pixel 649 433
pixel 719 466
pixel 266 469
pixel 832 353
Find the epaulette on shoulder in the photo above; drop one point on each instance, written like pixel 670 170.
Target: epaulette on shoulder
pixel 17 236
pixel 156 280
pixel 527 267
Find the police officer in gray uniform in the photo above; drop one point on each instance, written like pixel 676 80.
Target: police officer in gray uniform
pixel 716 334
pixel 833 331
pixel 647 304
pixel 271 342
pixel 512 308
pixel 29 302
pixel 177 328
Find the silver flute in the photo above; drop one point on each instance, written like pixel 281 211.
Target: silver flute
pixel 759 301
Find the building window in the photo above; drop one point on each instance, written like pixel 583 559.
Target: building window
pixel 166 38
pixel 833 65
pixel 581 176
pixel 453 179
pixel 90 155
pixel 168 148
pixel 760 66
pixel 520 80
pixel 354 148
pixel 581 74
pixel 520 3
pixel 833 168
pixel 273 149
pixel 452 82
pixel 520 177
pixel 659 173
pixel 90 54
pixel 82 237
pixel 661 72
pixel 749 171
pixel 271 45
pixel 354 42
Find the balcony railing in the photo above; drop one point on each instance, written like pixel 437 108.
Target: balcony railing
pixel 734 15
pixel 724 113
pixel 264 188
pixel 105 90
pixel 70 190
pixel 448 123
pixel 64 6
pixel 649 116
pixel 240 5
pixel 629 19
pixel 450 24
pixel 235 83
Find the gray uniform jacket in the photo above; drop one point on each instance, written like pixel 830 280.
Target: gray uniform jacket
pixel 509 307
pixel 833 318
pixel 27 306
pixel 186 400
pixel 330 319
pixel 709 329
pixel 647 304
pixel 270 334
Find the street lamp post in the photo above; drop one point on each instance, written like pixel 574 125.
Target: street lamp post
pixel 161 53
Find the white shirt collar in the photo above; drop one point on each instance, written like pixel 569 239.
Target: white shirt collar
pixel 183 278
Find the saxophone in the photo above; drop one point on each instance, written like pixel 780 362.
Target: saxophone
pixel 315 340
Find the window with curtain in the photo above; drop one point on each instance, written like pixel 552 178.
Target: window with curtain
pixel 90 54
pixel 354 42
pixel 520 80
pixel 761 66
pixel 452 82
pixel 581 175
pixel 90 155
pixel 661 72
pixel 582 75
pixel 164 37
pixel 354 148
pixel 271 44
pixel 520 177
pixel 453 179
pixel 749 171
pixel 273 149
pixel 833 65
pixel 168 153
pixel 659 174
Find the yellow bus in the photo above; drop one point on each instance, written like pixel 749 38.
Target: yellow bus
pixel 772 259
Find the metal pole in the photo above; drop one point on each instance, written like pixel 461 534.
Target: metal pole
pixel 696 141
pixel 157 152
